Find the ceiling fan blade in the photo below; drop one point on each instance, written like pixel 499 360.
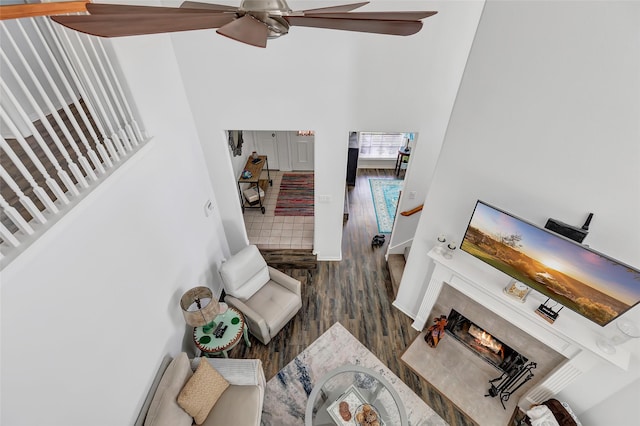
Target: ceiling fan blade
pixel 246 30
pixel 389 16
pixel 208 6
pixel 343 8
pixel 403 28
pixel 127 25
pixel 16 11
pixel 125 9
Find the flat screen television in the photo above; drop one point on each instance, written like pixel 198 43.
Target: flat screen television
pixel 583 280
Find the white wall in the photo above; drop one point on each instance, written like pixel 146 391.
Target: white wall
pixel 91 308
pixel 545 125
pixel 608 411
pixel 331 82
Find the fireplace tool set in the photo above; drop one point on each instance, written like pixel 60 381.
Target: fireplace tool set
pixel 510 381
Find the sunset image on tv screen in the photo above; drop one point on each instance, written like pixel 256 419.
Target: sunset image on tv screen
pixel 587 282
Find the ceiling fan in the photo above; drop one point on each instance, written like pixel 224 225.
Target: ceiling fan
pixel 253 22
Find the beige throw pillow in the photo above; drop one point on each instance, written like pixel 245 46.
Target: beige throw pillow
pixel 200 393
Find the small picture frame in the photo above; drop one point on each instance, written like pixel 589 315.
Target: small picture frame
pixel 517 290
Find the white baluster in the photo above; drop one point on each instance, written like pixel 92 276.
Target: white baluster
pixel 51 183
pixel 8 237
pixel 101 98
pixel 125 139
pixel 112 95
pixel 53 110
pixel 91 97
pixel 62 54
pixel 71 117
pixel 37 189
pixel 54 137
pixel 15 217
pixel 131 127
pixel 24 200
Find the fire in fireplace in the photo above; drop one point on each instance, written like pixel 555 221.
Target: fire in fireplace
pixel 483 344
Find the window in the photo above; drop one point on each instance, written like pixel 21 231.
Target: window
pixel 381 146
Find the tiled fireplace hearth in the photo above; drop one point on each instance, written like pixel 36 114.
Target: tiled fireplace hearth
pixel 562 351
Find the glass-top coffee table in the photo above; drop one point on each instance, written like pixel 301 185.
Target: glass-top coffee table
pixel 357 386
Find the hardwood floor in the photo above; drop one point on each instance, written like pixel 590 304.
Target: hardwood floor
pixel 358 293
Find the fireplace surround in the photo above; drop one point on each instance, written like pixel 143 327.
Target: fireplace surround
pixel 464 377
pixel 571 336
pixel 483 343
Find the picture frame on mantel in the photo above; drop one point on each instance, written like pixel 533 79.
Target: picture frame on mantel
pixel 517 290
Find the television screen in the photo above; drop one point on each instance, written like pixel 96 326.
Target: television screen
pixel 585 281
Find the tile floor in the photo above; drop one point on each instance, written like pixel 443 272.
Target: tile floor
pixel 269 231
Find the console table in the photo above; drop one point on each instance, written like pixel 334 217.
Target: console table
pixel 402 158
pixel 255 169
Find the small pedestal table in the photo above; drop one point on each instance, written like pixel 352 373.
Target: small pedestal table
pixel 211 345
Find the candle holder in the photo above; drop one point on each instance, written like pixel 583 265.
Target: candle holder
pixel 451 247
pixel 441 247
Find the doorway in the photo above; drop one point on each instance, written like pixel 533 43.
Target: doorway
pixel 374 158
pixel 287 221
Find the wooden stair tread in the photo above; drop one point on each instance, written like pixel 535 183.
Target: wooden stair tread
pixel 290 258
pixel 395 265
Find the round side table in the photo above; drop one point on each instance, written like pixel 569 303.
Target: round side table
pixel 236 328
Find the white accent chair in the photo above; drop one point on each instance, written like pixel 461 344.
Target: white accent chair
pixel 267 297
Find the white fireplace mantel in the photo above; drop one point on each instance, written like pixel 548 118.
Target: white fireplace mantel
pixel 571 335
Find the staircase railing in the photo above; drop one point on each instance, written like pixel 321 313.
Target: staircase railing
pixel 65 122
pixel 412 211
pixel 17 11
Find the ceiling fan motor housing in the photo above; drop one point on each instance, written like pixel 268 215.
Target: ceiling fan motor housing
pixel 270 12
pixel 272 7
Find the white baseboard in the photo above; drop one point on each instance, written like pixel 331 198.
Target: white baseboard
pixel 403 310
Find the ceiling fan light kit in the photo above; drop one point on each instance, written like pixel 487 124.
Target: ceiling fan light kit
pixel 253 22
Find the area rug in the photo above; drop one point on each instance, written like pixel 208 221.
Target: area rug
pixel 296 195
pixel 385 193
pixel 287 392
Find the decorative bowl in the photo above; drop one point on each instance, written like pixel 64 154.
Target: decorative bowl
pixel 367 415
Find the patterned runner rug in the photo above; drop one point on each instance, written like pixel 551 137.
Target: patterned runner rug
pixel 385 193
pixel 296 195
pixel 287 392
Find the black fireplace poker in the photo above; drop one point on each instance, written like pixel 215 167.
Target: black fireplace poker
pixel 510 381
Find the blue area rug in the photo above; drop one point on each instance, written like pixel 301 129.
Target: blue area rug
pixel 287 392
pixel 385 193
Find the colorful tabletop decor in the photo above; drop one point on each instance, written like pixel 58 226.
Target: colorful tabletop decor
pixel 229 327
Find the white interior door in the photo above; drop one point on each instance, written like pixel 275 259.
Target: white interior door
pixel 302 153
pixel 267 144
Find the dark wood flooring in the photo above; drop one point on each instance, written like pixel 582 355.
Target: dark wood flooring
pixel 358 293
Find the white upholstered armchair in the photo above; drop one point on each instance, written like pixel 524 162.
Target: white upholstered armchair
pixel 267 297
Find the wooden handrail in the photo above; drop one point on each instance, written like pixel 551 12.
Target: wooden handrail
pixel 412 211
pixel 16 11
